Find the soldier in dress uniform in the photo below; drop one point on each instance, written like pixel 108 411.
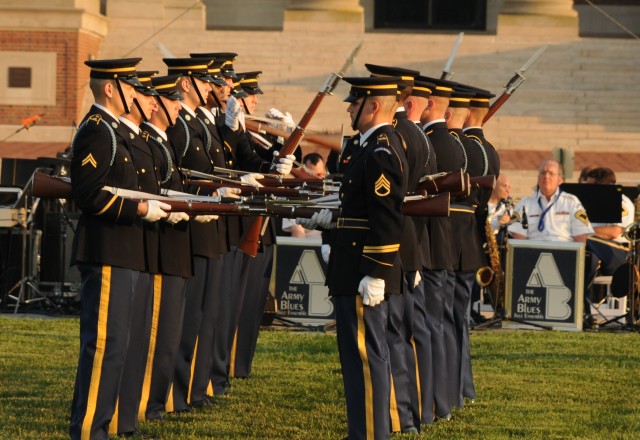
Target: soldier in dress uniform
pixel 108 245
pixel 125 417
pixel 422 376
pixel 258 269
pixel 439 278
pixel 175 259
pixel 191 141
pixel 468 256
pixel 405 407
pixel 365 262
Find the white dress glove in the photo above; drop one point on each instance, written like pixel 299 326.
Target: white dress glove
pixel 325 250
pixel 284 164
pixel 205 218
pixel 286 118
pixel 372 290
pixel 232 114
pixel 251 179
pixel 156 210
pixel 324 219
pixel 417 279
pixel 308 223
pixel 176 217
pixel 289 122
pixel 232 193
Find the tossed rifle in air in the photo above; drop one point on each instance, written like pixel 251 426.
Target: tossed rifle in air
pixel 515 82
pixel 322 140
pixel 446 72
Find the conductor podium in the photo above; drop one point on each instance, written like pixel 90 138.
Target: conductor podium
pixel 544 285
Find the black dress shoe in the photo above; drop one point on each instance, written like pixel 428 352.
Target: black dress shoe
pixel 411 430
pixel 445 417
pixel 182 411
pixel 130 434
pixel 154 416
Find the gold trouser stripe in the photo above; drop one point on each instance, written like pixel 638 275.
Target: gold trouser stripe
pixel 234 348
pixel 466 211
pixel 210 392
pixel 366 370
pixel 168 406
pixel 108 205
pixel 101 341
pixel 379 262
pixel 415 356
pixel 393 409
pixel 193 367
pixel 153 339
pixel 113 424
pixel 120 208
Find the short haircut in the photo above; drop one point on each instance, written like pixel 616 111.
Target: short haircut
pixel 546 161
pixel 603 175
pixel 314 158
pixel 584 173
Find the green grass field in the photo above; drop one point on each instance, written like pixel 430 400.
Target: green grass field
pixel 530 385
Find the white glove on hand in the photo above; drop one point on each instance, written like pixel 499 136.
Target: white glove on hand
pixel 232 114
pixel 252 179
pixel 156 210
pixel 417 280
pixel 176 217
pixel 289 122
pixel 284 164
pixel 372 291
pixel 325 250
pixel 308 223
pixel 205 218
pixel 286 118
pixel 274 113
pixel 324 219
pixel 232 193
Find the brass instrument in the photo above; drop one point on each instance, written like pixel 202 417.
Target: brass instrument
pixel 485 275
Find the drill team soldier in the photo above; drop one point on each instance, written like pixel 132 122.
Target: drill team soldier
pixel 365 260
pixel 108 245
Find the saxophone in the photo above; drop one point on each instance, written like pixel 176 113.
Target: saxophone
pixel 492 276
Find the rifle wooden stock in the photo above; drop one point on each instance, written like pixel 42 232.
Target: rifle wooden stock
pixel 320 140
pixel 496 106
pixel 488 181
pixel 48 187
pixel 467 187
pixel 452 182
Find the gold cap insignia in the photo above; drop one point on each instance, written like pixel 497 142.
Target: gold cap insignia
pixel 382 186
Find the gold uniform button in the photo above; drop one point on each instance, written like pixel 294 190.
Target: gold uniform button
pixel 126 159
pixel 349 180
pixel 143 171
pixel 217 150
pixel 353 244
pixel 197 148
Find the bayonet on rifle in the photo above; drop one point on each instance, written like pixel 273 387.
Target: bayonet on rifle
pixel 446 72
pixel 515 82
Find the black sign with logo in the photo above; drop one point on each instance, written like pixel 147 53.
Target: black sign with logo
pixel 300 281
pixel 544 283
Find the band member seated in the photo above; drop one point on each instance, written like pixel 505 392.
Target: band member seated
pixel 608 244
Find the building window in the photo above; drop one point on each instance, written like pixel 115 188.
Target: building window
pixel 19 77
pixel 431 14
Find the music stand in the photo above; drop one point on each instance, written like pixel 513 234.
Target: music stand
pixel 603 203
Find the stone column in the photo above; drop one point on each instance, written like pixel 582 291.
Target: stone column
pixel 324 15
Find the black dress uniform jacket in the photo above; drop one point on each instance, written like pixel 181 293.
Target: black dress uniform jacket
pixel 422 223
pixel 145 164
pixel 191 141
pixel 175 240
pixel 450 158
pixel 367 238
pixel 410 133
pixel 109 230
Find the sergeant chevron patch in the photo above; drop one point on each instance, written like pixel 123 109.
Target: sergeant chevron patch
pixel 90 161
pixel 382 186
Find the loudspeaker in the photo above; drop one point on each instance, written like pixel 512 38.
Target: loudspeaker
pixel 55 252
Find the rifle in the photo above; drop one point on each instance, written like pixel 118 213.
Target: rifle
pixel 424 206
pixel 446 72
pixel 515 82
pixel 488 181
pixel 318 139
pixel 295 137
pixel 249 190
pixel 452 181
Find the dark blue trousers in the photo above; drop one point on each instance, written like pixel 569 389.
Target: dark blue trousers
pixel 462 304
